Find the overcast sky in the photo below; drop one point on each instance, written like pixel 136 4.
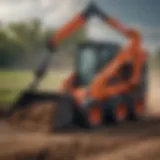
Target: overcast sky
pixel 143 14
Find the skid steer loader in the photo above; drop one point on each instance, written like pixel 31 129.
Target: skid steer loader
pixel 109 82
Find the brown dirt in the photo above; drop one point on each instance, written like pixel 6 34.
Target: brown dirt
pixel 38 117
pixel 133 140
pixel 128 140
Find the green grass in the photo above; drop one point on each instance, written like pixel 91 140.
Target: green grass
pixel 12 82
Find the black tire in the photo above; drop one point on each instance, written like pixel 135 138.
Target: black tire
pixel 63 117
pixel 135 101
pixel 144 78
pixel 83 120
pixel 111 110
pixel 138 97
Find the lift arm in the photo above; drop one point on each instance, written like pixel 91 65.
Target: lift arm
pixel 134 39
pixel 81 18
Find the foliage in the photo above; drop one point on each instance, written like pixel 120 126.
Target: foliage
pixel 21 37
pixel 17 39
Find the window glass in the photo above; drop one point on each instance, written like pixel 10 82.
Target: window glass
pixel 87 64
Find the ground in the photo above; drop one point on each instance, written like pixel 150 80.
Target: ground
pixel 129 141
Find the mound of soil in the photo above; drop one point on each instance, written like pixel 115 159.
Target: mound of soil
pixel 37 117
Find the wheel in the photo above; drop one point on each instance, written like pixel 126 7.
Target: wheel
pixel 63 117
pixel 136 105
pixel 94 117
pixel 136 99
pixel 138 112
pixel 90 117
pixel 115 111
pixel 144 78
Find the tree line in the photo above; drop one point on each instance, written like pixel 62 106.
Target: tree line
pixel 21 39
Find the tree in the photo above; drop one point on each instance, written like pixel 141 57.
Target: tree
pixel 22 39
pixel 29 34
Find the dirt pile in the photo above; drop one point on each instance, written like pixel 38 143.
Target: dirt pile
pixel 37 117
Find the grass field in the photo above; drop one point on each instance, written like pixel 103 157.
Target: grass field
pixel 12 82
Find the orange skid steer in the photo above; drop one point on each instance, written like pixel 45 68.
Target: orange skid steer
pixel 109 82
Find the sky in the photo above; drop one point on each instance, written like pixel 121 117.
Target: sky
pixel 142 14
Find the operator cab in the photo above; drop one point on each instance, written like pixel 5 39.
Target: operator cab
pixel 91 57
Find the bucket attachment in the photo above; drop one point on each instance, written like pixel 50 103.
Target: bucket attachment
pixel 34 111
